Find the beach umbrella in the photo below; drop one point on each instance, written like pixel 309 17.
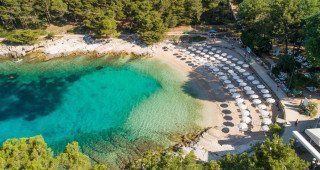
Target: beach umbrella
pixel 243 107
pixel 187 52
pixel 266 121
pixel 229 56
pixel 212 67
pixel 198 58
pixel 232 65
pixel 237 67
pixel 249 92
pixel 200 48
pixel 228 62
pixel 192 55
pixel 218 51
pixel 240 62
pixel 256 101
pixel 254 96
pixel 183 50
pixel 239 100
pixel 246 119
pixel 190 47
pixel 234 59
pixel 236 77
pixel 221 73
pixel 247 88
pixel 236 95
pixel 226 68
pixel 264 91
pixel 202 53
pixel 220 58
pixel 264 113
pixel 206 56
pixel 245 113
pixel 213 49
pixel 271 100
pixel 242 84
pixel 232 90
pixel 245 65
pixel 265 128
pixel 212 59
pixel 256 82
pixel 262 106
pixel 230 86
pixel 250 78
pixel 208 46
pixel 242 70
pixel 246 73
pixel 243 127
pixel 205 50
pixel 224 54
pixel 267 95
pixel 260 86
pixel 215 69
pixel 227 82
pixel 239 80
pixel 198 51
pixel 224 59
pixel 210 53
pixel 230 71
pixel 216 55
pixel 221 65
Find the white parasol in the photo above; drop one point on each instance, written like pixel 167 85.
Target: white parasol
pixel 265 128
pixel 245 65
pixel 230 71
pixel 227 82
pixel 246 119
pixel 254 96
pixel 249 92
pixel 240 62
pixel 230 86
pixel 243 84
pixel 236 95
pixel 256 101
pixel 266 121
pixel 233 90
pixel 271 100
pixel 247 88
pixel 243 127
pixel 223 78
pixel 264 91
pixel 245 113
pixel 229 56
pixel 256 82
pixel 260 86
pixel 262 106
pixel 267 95
pixel 239 80
pixel 242 70
pixel 224 54
pixel 234 59
pixel 264 113
pixel 250 78
pixel 246 74
pixel 239 100
pixel 243 107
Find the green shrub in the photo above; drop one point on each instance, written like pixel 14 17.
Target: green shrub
pixel 275 129
pixel 298 81
pixel 50 35
pixel 311 110
pixel 23 36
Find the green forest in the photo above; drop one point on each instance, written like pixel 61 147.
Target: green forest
pixel 33 153
pixel 107 18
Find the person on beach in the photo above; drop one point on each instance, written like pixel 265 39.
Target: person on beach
pixel 296 123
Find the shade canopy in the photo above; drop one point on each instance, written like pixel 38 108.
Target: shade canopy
pixel 223 78
pixel 230 86
pixel 245 113
pixel 239 100
pixel 245 65
pixel 271 100
pixel 242 84
pixel 267 95
pixel 260 86
pixel 256 82
pixel 243 127
pixel 246 73
pixel 256 101
pixel 233 90
pixel 264 113
pixel 224 54
pixel 236 95
pixel 265 128
pixel 266 121
pixel 246 119
pixel 247 88
pixel 240 62
pixel 262 106
pixel 229 56
pixel 243 107
pixel 250 78
pixel 249 92
pixel 264 91
pixel 227 81
pixel 254 96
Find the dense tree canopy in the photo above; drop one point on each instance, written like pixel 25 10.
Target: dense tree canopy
pixel 312 30
pixel 33 153
pixel 277 20
pixel 148 18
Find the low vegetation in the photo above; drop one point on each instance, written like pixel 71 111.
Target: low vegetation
pixel 310 110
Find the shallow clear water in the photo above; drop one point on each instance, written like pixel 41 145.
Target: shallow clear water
pixel 115 110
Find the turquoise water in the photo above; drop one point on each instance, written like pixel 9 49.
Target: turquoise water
pixel 115 110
